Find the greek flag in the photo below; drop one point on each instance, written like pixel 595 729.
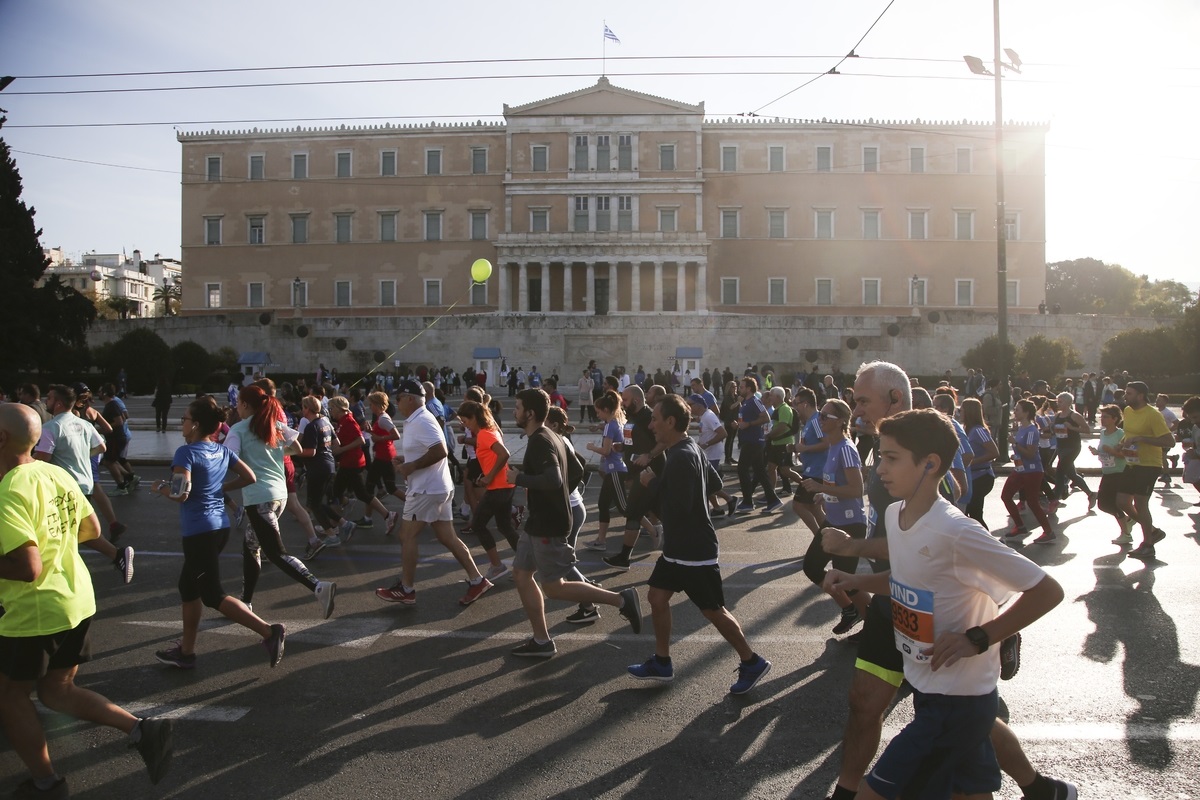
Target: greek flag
pixel 608 34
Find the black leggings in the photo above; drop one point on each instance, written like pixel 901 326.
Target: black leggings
pixel 201 576
pixel 816 559
pixel 160 417
pixel 263 536
pixel 316 499
pixel 1067 474
pixel 494 503
pixel 381 472
pixel 612 492
pixel 351 478
pixel 980 487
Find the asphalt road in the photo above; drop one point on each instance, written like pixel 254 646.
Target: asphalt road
pixel 425 702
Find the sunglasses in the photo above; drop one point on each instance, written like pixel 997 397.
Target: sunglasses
pixel 185 419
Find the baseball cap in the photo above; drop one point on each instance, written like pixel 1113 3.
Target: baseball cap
pixel 698 399
pixel 410 387
pixel 80 388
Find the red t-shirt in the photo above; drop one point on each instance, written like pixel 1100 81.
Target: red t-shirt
pixel 348 431
pixel 487 459
pixel 383 426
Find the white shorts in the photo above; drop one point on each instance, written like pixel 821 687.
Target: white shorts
pixel 429 507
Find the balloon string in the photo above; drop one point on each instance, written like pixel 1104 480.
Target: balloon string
pixel 415 336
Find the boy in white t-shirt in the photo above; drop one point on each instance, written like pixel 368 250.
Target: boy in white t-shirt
pixel 948 577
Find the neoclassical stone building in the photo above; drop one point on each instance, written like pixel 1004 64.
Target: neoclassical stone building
pixel 606 201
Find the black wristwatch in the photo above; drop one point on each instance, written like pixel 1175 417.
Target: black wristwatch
pixel 978 637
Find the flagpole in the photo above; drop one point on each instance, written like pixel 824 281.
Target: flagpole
pixel 604 50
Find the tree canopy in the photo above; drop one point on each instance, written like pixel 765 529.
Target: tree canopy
pixel 1090 286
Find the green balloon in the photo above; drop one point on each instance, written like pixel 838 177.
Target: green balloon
pixel 481 270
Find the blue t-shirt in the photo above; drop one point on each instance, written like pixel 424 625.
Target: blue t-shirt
pixel 318 435
pixel 1025 435
pixel 751 410
pixel 812 464
pixel 964 447
pixel 978 437
pixel 613 462
pixel 839 458
pixel 204 510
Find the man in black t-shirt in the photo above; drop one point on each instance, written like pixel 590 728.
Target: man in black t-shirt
pixel 642 452
pixel 544 547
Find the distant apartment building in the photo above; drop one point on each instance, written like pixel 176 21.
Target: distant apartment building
pixel 102 276
pixel 608 201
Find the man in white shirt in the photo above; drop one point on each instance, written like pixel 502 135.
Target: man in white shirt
pixel 429 498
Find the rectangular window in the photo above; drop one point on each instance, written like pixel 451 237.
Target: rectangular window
pixel 387 293
pixel 212 295
pixel 777 291
pixel 870 291
pixel 625 152
pixel 535 294
pixel 212 230
pixel 916 224
pixel 254 295
pixel 478 160
pixel 666 220
pixel 916 292
pixel 581 153
pixel 729 224
pixel 625 212
pixel 343 164
pixel 1010 290
pixel 775 158
pixel 387 163
pixel 581 214
pixel 433 162
pixel 964 292
pixel 916 159
pixel 257 226
pixel 387 227
pixel 729 291
pixel 341 293
pixel 341 228
pixel 1012 227
pixel 964 160
pixel 257 168
pixel 479 294
pixel 729 158
pixel 870 159
pixel 299 166
pixel 540 158
pixel 433 226
pixel 666 157
pixel 479 231
pixel 824 292
pixel 299 229
pixel 433 292
pixel 824 224
pixel 603 154
pixel 539 221
pixel 824 159
pixel 213 169
pixel 776 224
pixel 964 225
pixel 870 224
pixel 299 294
pixel 603 213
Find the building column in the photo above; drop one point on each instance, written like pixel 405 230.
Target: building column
pixel 502 303
pixel 635 284
pixel 522 289
pixel 614 293
pixel 680 286
pixel 545 287
pixel 567 287
pixel 702 286
pixel 590 292
pixel 658 287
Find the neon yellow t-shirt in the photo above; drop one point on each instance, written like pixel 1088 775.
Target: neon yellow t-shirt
pixel 42 504
pixel 1146 421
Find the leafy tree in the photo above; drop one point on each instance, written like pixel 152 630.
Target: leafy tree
pixel 192 363
pixel 986 356
pixel 1162 299
pixel 39 321
pixel 1089 286
pixel 123 307
pixel 170 297
pixel 142 354
pixel 1145 353
pixel 1048 358
pixel 1187 339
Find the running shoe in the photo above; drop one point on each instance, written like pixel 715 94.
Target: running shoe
pixel 115 530
pixel 583 615
pixel 156 745
pixel 745 508
pixel 731 506
pixel 475 591
pixel 1144 552
pixel 772 507
pixel 1010 657
pixel 1063 790
pixel 749 674
pixel 28 789
pixel 716 512
pixel 397 594
pixel 389 524
pixel 617 561
pixel 596 544
pixel 331 540
pixel 850 618
pixel 364 523
pixel 1046 538
pixel 121 490
pixel 1092 500
pixel 631 609
pixel 497 572
pixel 173 656
pixel 314 549
pixel 531 648
pixel 1016 534
pixel 1156 536
pixel 652 670
pixel 346 531
pixel 325 592
pixel 123 563
pixel 134 480
pixel 274 643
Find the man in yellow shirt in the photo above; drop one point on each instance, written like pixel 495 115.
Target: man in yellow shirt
pixel 49 604
pixel 1146 434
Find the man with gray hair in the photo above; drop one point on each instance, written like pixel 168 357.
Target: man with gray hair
pixel 780 438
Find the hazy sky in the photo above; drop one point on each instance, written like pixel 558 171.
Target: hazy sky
pixel 1118 83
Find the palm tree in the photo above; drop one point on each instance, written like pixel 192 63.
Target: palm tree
pixel 123 307
pixel 171 296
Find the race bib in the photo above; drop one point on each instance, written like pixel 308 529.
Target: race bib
pixel 627 434
pixel 1107 460
pixel 912 620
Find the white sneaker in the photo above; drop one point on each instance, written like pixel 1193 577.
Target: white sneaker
pixel 325 592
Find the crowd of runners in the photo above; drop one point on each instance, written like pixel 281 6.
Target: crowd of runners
pixel 881 470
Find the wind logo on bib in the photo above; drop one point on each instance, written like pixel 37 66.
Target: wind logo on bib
pixel 912 620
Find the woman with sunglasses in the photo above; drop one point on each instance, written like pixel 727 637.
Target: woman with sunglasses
pixel 841 487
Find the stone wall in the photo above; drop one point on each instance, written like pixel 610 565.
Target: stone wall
pixel 565 343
